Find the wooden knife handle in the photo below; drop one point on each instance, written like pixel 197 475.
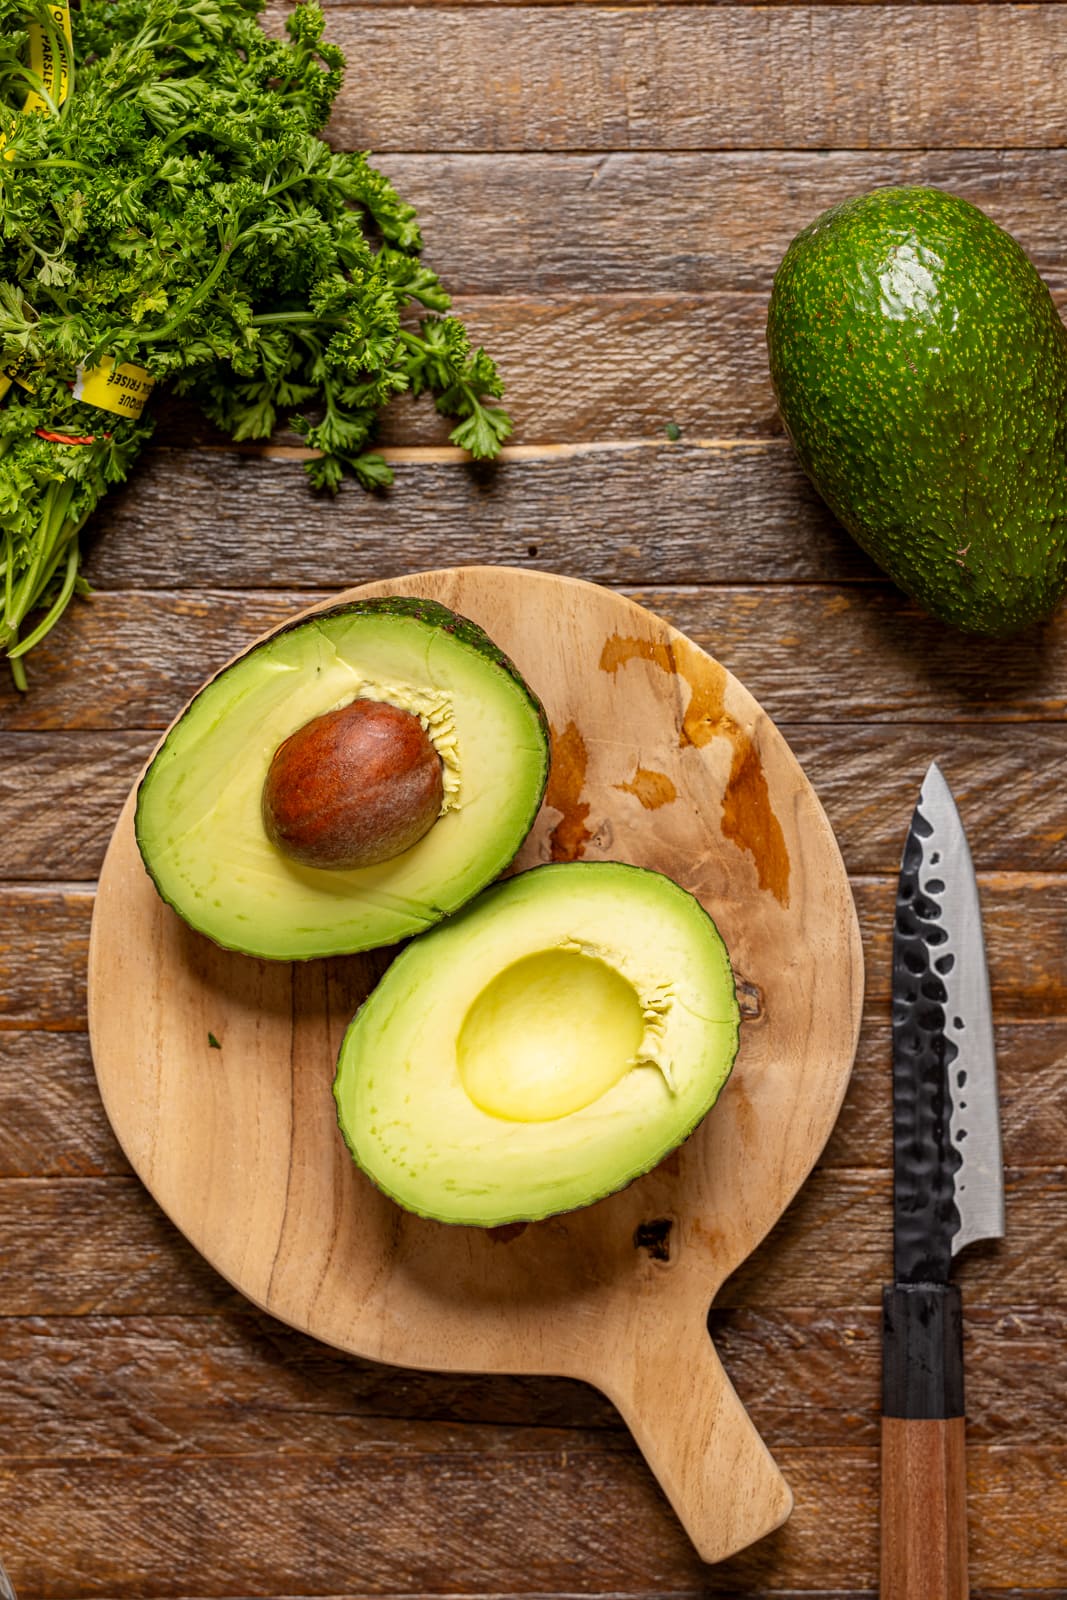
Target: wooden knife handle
pixel 924 1509
pixel 924 1474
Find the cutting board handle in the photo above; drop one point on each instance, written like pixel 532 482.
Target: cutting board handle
pixel 696 1435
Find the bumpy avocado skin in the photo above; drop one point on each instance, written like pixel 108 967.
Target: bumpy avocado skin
pixel 920 368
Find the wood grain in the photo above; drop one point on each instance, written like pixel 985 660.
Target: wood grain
pixel 923 1510
pixel 240 1383
pixel 693 222
pixel 54 1125
pixel 528 1510
pixel 586 78
pixel 129 659
pixel 591 367
pixel 80 1244
pixel 44 939
pixel 715 511
pixel 728 512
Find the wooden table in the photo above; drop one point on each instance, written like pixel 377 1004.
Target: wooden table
pixel 607 191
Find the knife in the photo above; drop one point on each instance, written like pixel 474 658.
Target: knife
pixel 948 1191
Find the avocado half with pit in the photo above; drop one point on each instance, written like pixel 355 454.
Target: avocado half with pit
pixel 541 1049
pixel 346 783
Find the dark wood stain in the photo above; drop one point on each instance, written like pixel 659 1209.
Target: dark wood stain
pixel 653 789
pixel 506 1232
pixel 704 710
pixel 748 818
pixel 570 762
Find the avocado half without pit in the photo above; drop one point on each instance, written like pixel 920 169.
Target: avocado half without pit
pixel 539 1050
pixel 346 783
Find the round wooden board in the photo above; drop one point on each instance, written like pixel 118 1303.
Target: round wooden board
pixel 660 758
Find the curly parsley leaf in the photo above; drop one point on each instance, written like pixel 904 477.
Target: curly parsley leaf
pixel 182 213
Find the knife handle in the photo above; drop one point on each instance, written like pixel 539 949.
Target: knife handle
pixel 924 1474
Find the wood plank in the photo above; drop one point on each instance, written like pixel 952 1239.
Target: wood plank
pixel 586 78
pixel 131 660
pixel 841 1225
pixel 763 1592
pixel 699 1593
pixel 54 1124
pixel 81 1245
pixel 240 1383
pixel 61 792
pixel 597 367
pixel 44 947
pixel 44 934
pixel 1024 943
pixel 615 367
pixel 1008 786
pixel 411 1521
pixel 726 512
pixel 687 222
pixel 732 511
pixel 59 796
pixel 56 1127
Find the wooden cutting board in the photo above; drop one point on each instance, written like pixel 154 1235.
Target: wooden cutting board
pixel 660 758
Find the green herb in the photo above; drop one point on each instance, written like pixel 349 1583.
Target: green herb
pixel 182 213
pixel 673 432
pixel 213 1042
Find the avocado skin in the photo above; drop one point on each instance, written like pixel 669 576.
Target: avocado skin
pixel 920 368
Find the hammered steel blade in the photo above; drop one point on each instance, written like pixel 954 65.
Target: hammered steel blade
pixel 948 1176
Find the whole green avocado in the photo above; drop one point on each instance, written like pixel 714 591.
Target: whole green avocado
pixel 920 368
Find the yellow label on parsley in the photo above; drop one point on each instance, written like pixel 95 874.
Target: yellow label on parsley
pixel 8 377
pixel 122 390
pixel 50 67
pixel 53 71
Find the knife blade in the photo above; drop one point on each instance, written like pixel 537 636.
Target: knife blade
pixel 948 1192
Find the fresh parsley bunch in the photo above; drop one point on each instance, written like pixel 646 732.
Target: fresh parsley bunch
pixel 181 212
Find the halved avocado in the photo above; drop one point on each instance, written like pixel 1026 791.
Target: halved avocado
pixel 540 1050
pixel 200 820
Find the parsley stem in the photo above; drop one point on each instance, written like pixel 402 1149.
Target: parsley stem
pixel 53 162
pixel 198 294
pixel 59 604
pixel 46 555
pixel 39 87
pixel 297 319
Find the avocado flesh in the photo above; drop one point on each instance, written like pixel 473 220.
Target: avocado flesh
pixel 551 1042
pixel 920 367
pixel 199 816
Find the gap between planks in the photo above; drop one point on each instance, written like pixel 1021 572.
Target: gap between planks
pixel 433 455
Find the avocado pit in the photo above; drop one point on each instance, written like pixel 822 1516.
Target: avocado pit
pixel 354 787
